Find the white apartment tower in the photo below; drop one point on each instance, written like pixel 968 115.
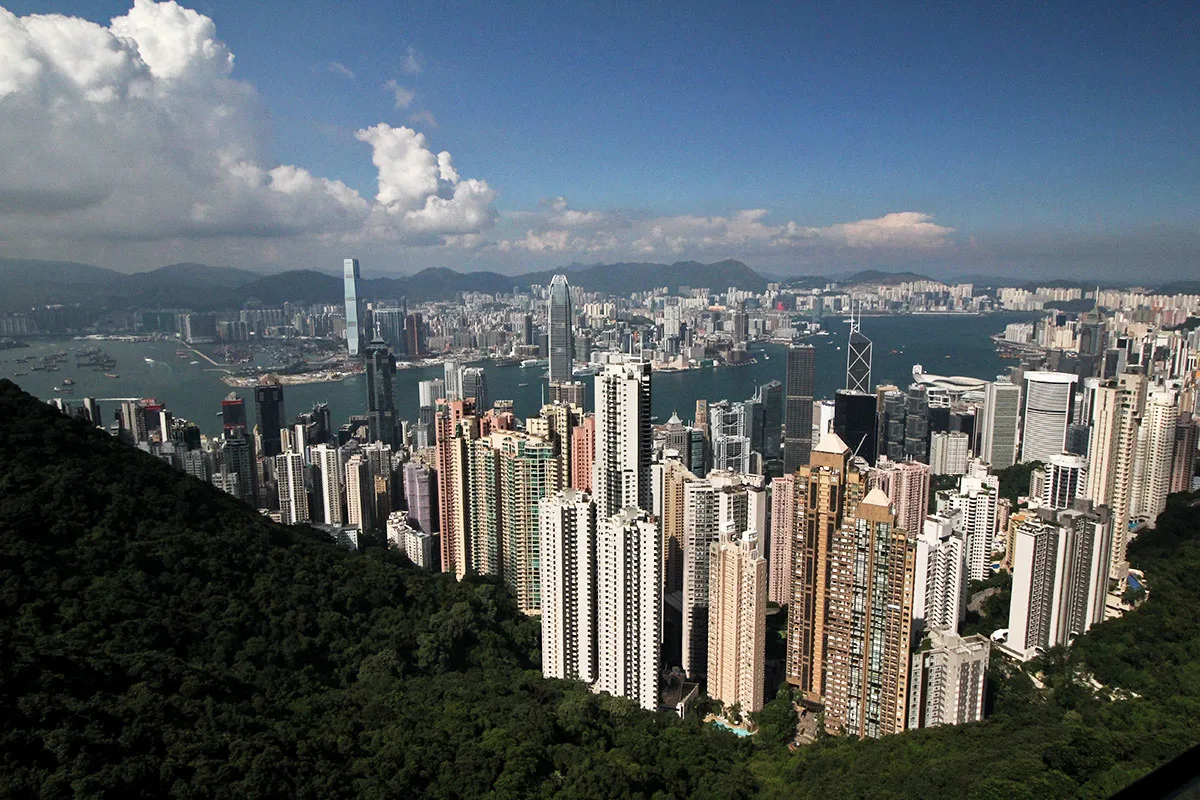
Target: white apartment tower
pixel 293 496
pixel 1060 578
pixel 628 606
pixel 940 585
pixel 327 469
pixel 567 523
pixel 621 475
pixel 948 680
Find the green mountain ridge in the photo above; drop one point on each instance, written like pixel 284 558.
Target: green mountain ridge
pixel 157 639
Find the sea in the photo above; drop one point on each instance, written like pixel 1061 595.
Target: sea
pixel 944 344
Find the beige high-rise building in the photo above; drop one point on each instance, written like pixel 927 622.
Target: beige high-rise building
pixel 1112 450
pixel 869 622
pixel 828 490
pixel 669 478
pixel 360 492
pixel 737 623
pixel 1155 452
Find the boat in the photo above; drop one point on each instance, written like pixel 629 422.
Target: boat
pixel 63 389
pixel 193 362
pixel 19 374
pixel 111 375
pixel 68 382
pixel 148 360
pixel 522 385
pixel 535 362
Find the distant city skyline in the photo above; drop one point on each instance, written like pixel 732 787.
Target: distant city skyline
pixel 1012 141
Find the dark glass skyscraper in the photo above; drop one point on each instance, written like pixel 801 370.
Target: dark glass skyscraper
pixel 381 405
pixel 268 404
pixel 854 422
pixel 558 326
pixel 771 396
pixel 474 387
pixel 798 406
pixel 233 415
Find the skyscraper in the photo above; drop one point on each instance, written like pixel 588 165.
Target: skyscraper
pixel 770 394
pixel 381 405
pixel 1155 451
pixel 456 429
pixel 558 324
pixel 629 606
pixel 1001 420
pixel 268 404
pixel 327 479
pixel 420 495
pixel 858 358
pixel 474 387
pixel 798 406
pixel 940 584
pixel 354 309
pixel 1048 406
pixel 737 623
pixel 453 376
pixel 714 509
pixel 1112 451
pixel 568 566
pixel 854 420
pixel 906 485
pixel 1060 578
pixel 868 624
pixel 233 415
pixel 293 496
pixel 623 443
pixel 360 490
pixel 1066 479
pixel 783 526
pixel 827 491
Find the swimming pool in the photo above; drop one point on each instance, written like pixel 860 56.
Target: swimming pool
pixel 723 725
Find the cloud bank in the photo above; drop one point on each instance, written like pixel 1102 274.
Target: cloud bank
pixel 138 131
pixel 137 134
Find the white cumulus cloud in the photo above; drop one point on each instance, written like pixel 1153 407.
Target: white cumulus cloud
pixel 139 131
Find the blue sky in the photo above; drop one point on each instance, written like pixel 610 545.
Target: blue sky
pixel 953 138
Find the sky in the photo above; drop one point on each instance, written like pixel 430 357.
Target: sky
pixel 1033 140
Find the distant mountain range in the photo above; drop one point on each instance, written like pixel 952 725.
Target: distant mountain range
pixel 27 282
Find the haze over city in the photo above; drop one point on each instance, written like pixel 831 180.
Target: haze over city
pixel 1016 140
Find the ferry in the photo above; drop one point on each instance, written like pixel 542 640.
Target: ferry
pixel 63 389
pixel 522 385
pixel 111 375
pixel 535 362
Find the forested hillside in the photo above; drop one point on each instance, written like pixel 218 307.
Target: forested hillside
pixel 157 639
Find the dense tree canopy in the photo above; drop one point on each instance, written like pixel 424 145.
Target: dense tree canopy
pixel 157 639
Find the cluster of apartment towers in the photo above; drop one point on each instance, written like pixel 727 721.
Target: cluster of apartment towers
pixel 652 575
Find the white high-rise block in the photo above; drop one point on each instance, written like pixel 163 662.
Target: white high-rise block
pixel 629 606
